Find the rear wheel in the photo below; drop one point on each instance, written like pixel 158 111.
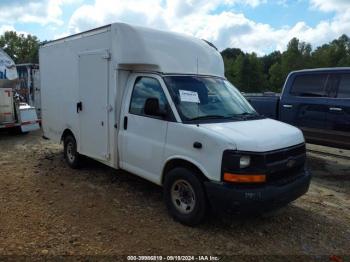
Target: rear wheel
pixel 185 197
pixel 70 152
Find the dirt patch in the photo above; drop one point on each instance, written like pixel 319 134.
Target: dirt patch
pixel 47 208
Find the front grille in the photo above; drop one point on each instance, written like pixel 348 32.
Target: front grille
pixel 284 176
pixel 284 166
pixel 280 155
pixel 280 166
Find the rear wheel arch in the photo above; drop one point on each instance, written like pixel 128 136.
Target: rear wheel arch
pixel 67 132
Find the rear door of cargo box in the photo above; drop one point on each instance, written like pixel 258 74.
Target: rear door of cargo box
pixel 92 104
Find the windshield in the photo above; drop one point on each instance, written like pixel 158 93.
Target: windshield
pixel 203 98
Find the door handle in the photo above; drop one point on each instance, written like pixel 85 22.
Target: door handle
pixel 125 122
pixel 79 107
pixel 336 109
pixel 288 106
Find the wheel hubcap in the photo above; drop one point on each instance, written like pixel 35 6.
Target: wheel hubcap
pixel 70 152
pixel 183 196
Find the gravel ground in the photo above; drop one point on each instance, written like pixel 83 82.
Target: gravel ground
pixel 48 209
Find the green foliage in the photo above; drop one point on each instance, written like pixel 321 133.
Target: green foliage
pixel 276 77
pixel 21 48
pixel 257 74
pixel 271 59
pixel 246 70
pixel 337 53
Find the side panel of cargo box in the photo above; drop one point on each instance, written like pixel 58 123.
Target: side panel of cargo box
pixel 78 89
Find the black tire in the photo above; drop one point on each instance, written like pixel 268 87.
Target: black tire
pixel 71 154
pixel 190 214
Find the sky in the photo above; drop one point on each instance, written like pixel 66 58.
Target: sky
pixel 260 26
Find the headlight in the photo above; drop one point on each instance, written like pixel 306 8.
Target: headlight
pixel 244 161
pixel 243 167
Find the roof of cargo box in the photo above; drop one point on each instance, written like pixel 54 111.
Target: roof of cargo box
pixel 166 52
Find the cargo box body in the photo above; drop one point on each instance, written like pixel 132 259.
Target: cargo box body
pixel 73 71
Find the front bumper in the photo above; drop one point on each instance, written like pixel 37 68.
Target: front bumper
pixel 256 198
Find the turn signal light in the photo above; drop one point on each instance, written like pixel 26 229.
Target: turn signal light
pixel 240 178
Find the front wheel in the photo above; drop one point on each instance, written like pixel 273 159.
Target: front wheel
pixel 184 196
pixel 70 152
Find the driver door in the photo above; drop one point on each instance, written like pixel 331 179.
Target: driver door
pixel 142 137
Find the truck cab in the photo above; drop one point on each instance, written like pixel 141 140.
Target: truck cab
pixel 206 127
pixel 163 110
pixel 318 102
pixel 315 100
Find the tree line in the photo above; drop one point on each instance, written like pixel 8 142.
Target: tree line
pixel 247 71
pixel 251 73
pixel 21 48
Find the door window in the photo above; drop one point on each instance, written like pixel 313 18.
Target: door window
pixel 344 86
pixel 312 85
pixel 144 88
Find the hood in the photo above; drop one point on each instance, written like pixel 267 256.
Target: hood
pixel 258 135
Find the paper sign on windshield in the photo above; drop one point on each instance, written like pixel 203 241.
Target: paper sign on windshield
pixel 189 96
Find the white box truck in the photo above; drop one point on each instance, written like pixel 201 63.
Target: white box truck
pixel 157 104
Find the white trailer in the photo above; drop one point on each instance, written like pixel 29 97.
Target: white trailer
pixel 157 104
pixel 14 115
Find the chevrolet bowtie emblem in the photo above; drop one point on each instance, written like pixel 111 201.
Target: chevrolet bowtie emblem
pixel 291 162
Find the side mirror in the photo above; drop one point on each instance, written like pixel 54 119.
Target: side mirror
pixel 152 108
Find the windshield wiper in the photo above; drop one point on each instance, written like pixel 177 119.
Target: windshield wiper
pixel 244 116
pixel 247 116
pixel 209 117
